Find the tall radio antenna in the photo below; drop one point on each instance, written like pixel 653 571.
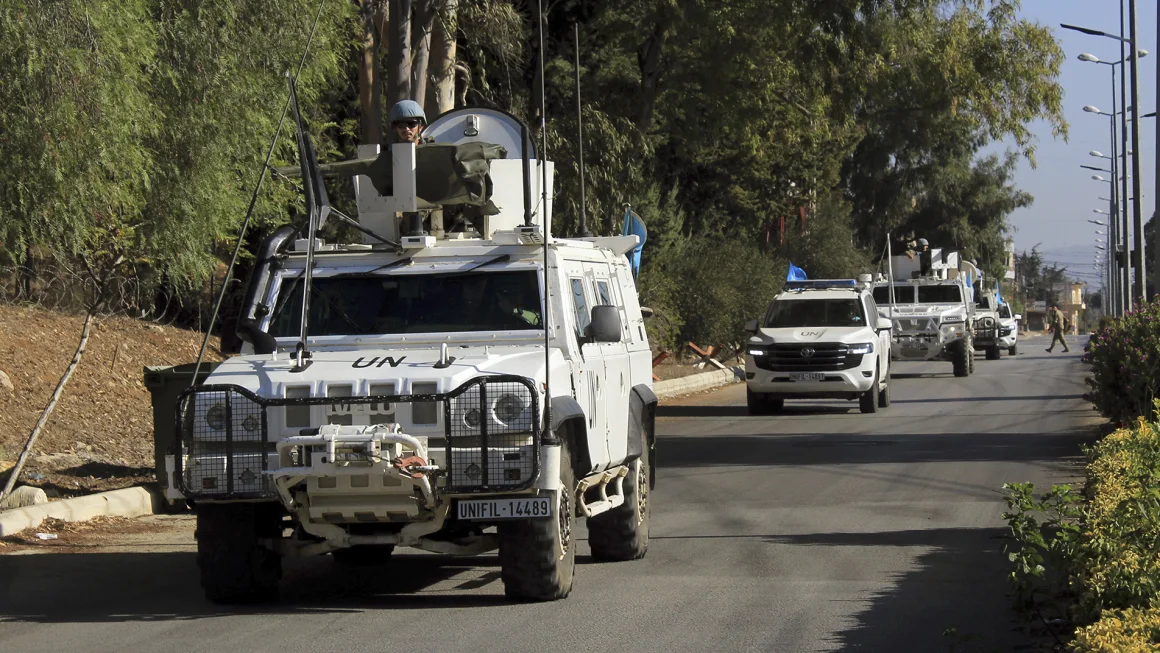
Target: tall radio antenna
pixel 584 232
pixel 544 219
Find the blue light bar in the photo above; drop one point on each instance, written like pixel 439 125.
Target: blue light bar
pixel 820 284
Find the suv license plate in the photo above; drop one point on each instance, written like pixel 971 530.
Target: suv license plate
pixel 807 376
pixel 489 509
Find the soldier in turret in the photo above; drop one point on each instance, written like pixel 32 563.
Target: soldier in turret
pixel 407 122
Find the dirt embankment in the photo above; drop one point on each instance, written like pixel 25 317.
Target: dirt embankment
pixel 100 435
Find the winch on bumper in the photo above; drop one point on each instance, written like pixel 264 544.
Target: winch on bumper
pixel 828 370
pixel 347 484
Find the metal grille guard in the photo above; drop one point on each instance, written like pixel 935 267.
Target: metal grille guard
pixel 232 462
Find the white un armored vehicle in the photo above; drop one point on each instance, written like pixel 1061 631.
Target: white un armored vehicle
pixel 819 339
pixel 932 308
pixel 457 387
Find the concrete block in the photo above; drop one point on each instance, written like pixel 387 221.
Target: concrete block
pixel 129 502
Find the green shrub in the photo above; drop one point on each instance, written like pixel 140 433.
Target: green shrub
pixel 1099 556
pixel 1119 562
pixel 714 286
pixel 1121 631
pixel 1125 364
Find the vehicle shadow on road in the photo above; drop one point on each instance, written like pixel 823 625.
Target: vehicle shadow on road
pixel 954 597
pixel 689 410
pixel 942 400
pixel 132 587
pixel 675 451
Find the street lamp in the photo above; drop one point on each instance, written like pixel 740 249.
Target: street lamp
pixel 1097 222
pixel 1130 53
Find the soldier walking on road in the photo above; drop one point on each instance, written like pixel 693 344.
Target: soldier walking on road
pixel 1055 323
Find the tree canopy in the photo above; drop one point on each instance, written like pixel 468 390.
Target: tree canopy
pixel 765 131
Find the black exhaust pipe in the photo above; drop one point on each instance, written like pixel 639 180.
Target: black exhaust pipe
pixel 247 328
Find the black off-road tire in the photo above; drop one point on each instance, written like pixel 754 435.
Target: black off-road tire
pixel 622 533
pixel 961 358
pixel 1014 350
pixel 868 402
pixel 234 567
pixel 365 555
pixel 993 353
pixel 884 393
pixel 532 566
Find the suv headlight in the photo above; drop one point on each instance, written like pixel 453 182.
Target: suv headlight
pixel 862 348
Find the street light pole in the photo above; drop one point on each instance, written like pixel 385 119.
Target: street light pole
pixel 1126 284
pixel 1137 211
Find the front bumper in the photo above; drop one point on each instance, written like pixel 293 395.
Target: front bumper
pixel 833 383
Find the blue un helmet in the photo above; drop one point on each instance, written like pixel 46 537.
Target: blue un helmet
pixel 407 110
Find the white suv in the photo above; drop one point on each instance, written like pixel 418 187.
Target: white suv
pixel 819 339
pixel 1009 329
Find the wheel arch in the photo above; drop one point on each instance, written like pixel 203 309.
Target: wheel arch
pixel 642 409
pixel 569 423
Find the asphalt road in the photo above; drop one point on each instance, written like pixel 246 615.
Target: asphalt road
pixel 819 530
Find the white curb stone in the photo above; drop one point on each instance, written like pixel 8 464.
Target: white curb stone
pixel 129 502
pixel 698 382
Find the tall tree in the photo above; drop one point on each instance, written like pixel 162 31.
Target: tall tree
pixel 369 79
pixel 399 46
pixel 422 25
pixel 440 94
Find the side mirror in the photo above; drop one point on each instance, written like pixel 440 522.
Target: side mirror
pixel 645 311
pixel 884 324
pixel 605 325
pixel 751 326
pixel 1018 317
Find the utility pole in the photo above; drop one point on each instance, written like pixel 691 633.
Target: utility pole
pixel 1137 210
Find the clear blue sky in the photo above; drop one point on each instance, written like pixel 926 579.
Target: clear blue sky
pixel 1065 194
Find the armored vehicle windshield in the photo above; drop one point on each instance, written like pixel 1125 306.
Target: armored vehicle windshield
pixel 380 304
pixel 948 294
pixel 902 295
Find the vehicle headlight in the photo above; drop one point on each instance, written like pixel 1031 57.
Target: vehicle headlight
pixel 508 409
pixel 215 417
pixel 756 352
pixel 862 348
pixel 251 423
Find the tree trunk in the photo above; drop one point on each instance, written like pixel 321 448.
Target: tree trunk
pixel 421 29
pixel 441 75
pixel 399 60
pixel 649 58
pixel 370 99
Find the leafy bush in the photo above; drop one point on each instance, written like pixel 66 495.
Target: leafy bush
pixel 1121 631
pixel 1119 565
pixel 705 290
pixel 1099 556
pixel 1125 362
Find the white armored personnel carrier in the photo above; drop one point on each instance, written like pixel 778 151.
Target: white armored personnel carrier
pixel 458 388
pixel 932 308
